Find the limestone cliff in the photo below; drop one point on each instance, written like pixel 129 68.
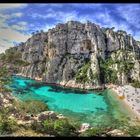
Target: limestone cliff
pixel 72 52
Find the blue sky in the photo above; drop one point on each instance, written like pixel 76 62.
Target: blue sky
pixel 18 21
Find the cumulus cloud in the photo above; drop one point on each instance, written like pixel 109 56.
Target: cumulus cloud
pixel 22 23
pixel 4 17
pixel 4 6
pixel 5 44
pixel 130 13
pixel 20 26
pixel 16 15
pixel 51 4
pixel 12 36
pixel 11 33
pixel 60 15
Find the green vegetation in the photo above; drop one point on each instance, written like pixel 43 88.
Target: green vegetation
pixel 136 84
pixel 130 47
pixel 133 130
pixel 13 57
pixel 31 107
pixel 59 127
pixel 125 66
pixel 93 132
pixel 81 76
pixel 4 79
pixel 7 125
pixel 107 74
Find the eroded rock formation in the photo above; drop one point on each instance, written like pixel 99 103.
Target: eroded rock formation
pixel 58 55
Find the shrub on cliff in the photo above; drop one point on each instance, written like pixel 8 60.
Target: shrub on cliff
pixel 35 107
pixel 133 130
pixel 4 79
pixel 81 76
pixel 31 107
pixel 136 84
pixel 60 127
pixel 7 125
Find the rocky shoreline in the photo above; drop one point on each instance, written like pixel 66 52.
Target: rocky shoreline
pixel 121 93
pixel 70 84
pixel 6 101
pixel 29 120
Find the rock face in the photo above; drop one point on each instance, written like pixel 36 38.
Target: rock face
pixel 57 55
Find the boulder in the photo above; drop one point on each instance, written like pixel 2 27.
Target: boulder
pixel 47 115
pixel 60 116
pixel 116 132
pixel 84 127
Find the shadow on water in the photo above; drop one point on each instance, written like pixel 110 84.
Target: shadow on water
pixel 53 87
pixel 60 90
pixel 57 88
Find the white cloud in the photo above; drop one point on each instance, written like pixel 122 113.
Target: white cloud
pixel 4 17
pixel 22 23
pixel 4 6
pixel 85 6
pixel 18 27
pixel 4 44
pixel 64 17
pixel 130 13
pixel 36 15
pixel 60 16
pixel 12 36
pixel 9 32
pixel 17 14
pixel 137 36
pixel 50 4
pixel 21 26
pixel 46 27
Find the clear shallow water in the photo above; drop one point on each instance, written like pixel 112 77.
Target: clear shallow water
pixel 80 106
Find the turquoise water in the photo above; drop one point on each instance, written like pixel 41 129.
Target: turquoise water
pixel 80 106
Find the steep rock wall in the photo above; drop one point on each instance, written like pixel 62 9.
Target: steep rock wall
pixel 57 55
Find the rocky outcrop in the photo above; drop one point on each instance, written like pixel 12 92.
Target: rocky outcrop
pixel 57 55
pixel 116 132
pixel 47 115
pixel 84 127
pixel 6 100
